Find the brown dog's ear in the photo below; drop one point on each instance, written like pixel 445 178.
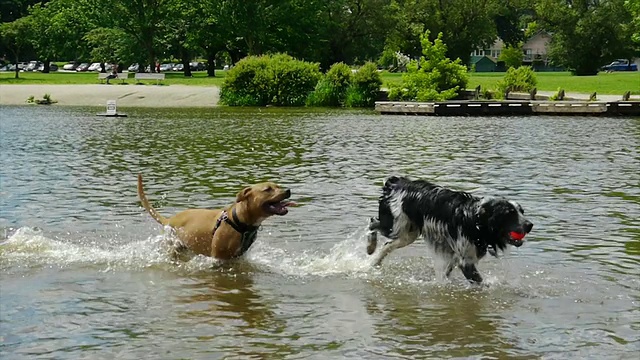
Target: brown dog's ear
pixel 243 195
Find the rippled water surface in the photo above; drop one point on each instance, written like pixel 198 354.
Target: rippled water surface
pixel 85 274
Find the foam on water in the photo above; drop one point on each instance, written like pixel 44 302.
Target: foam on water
pixel 28 247
pixel 345 257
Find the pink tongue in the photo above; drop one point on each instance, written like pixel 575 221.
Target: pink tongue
pixel 516 235
pixel 289 203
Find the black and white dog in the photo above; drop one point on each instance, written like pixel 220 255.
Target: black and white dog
pixel 460 227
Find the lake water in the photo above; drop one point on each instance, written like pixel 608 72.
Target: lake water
pixel 85 273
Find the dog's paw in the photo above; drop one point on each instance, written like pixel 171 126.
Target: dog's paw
pixel 372 242
pixel 374 224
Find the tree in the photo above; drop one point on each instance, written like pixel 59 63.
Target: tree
pixel 465 25
pixel 108 45
pixel 510 17
pixel 586 33
pixel 634 26
pixel 15 37
pixel 512 55
pixel 433 77
pixel 142 20
pixel 58 30
pixel 354 30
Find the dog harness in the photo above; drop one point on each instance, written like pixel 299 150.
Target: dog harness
pixel 248 233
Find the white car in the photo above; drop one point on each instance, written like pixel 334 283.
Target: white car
pixel 94 67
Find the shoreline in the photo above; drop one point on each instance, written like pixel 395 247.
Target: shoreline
pixel 128 95
pixel 156 96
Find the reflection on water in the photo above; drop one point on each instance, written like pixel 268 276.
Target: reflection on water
pixel 85 273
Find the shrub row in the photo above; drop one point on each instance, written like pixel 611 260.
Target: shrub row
pixel 281 80
pixel 269 80
pixel 284 81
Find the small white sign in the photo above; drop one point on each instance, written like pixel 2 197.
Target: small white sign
pixel 111 107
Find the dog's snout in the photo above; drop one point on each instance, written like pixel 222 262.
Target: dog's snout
pixel 528 225
pixel 287 192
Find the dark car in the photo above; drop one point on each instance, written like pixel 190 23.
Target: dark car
pixel 620 65
pixel 52 67
pixel 197 66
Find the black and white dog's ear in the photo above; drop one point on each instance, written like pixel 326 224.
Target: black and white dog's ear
pixel 483 212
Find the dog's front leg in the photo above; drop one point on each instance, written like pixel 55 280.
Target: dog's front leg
pixel 471 273
pixel 372 237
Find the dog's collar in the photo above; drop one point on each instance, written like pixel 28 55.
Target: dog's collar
pixel 249 233
pixel 238 225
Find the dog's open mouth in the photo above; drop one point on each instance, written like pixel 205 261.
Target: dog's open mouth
pixel 279 207
pixel 516 238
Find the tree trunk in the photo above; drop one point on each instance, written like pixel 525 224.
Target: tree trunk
pixel 211 63
pixel 46 67
pixel 17 69
pixel 186 57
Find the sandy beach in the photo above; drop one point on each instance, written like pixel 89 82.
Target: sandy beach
pixel 125 95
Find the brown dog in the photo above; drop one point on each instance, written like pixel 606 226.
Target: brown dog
pixel 224 233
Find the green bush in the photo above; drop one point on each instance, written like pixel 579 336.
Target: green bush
pixel 434 77
pixel 365 86
pixel 263 80
pixel 512 56
pixel 522 79
pixel 332 87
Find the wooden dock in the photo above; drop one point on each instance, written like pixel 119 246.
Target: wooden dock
pixel 510 107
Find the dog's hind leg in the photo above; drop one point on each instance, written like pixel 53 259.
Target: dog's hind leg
pixel 389 246
pixel 471 273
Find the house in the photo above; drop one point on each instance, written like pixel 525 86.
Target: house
pixel 535 48
pixel 534 51
pixel 483 63
pixel 494 50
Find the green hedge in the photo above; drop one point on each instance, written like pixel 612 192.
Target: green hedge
pixel 433 77
pixel 264 80
pixel 342 87
pixel 365 87
pixel 522 79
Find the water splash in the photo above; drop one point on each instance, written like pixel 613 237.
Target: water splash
pixel 347 257
pixel 30 248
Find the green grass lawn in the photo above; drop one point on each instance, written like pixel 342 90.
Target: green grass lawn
pixel 616 83
pixel 604 83
pixel 199 78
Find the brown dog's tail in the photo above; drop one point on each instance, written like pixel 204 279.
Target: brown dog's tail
pixel 143 198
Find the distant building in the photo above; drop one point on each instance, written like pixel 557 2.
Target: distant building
pixel 535 48
pixel 534 52
pixel 483 63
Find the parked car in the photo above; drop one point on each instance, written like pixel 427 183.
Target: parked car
pixel 178 67
pixel 70 66
pixel 133 67
pixel 21 66
pixel 82 67
pixel 620 65
pixel 33 66
pixel 52 67
pixel 94 67
pixel 167 67
pixel 197 66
